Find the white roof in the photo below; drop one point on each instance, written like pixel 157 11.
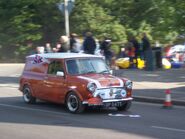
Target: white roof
pixel 63 55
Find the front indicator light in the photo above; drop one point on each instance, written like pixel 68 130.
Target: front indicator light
pixel 91 87
pixel 128 84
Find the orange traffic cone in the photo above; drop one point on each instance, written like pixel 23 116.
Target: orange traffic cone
pixel 167 102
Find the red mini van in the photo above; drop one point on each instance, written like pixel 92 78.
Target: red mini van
pixel 77 80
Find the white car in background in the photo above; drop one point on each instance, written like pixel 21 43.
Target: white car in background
pixel 176 49
pixel 177 52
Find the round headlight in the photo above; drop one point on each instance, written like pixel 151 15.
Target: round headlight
pixel 128 84
pixel 91 87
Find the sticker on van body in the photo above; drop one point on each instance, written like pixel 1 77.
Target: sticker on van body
pixel 39 59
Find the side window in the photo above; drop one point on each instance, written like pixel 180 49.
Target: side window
pixel 72 67
pixel 54 67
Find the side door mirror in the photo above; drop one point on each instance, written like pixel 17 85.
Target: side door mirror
pixel 60 73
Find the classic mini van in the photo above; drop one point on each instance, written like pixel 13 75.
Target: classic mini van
pixel 76 80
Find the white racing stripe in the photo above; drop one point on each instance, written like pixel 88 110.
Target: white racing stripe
pixel 170 129
pixel 120 81
pixel 98 83
pixel 91 80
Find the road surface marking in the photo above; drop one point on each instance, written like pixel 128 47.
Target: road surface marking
pixel 124 115
pixel 31 109
pixel 14 75
pixel 170 129
pixel 10 85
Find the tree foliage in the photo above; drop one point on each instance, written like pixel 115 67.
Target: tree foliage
pixel 24 20
pixel 40 21
pixel 89 16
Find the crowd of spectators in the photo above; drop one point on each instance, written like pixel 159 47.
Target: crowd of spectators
pixel 89 45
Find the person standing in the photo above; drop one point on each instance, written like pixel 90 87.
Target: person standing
pixel 89 44
pixel 105 47
pixel 147 50
pixel 136 49
pixel 145 43
pixel 75 45
pixel 48 48
pixel 130 51
pixel 64 44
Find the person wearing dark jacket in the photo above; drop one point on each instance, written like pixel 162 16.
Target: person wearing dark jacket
pixel 89 44
pixel 136 46
pixel 145 43
pixel 105 46
pixel 147 50
pixel 72 41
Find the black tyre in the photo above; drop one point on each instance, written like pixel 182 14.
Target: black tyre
pixel 73 103
pixel 27 95
pixel 125 106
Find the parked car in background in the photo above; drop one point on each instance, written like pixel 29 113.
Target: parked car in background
pixel 177 48
pixel 176 53
pixel 76 80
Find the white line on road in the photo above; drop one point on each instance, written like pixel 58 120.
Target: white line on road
pixel 170 129
pixel 31 109
pixel 124 115
pixel 14 75
pixel 10 85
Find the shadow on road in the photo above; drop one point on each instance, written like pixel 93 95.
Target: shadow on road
pixel 14 110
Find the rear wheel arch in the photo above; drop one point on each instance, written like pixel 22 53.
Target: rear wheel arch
pixel 28 94
pixel 30 86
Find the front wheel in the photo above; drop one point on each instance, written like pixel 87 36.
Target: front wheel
pixel 27 95
pixel 73 103
pixel 125 106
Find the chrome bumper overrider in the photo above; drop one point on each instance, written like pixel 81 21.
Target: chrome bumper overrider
pixel 112 100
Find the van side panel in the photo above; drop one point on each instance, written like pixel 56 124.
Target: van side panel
pixel 33 75
pixel 35 67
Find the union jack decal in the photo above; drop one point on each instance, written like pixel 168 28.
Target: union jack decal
pixel 38 59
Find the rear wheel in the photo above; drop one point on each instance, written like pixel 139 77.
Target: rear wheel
pixel 73 103
pixel 125 106
pixel 27 95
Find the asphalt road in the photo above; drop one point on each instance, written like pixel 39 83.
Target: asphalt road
pixel 45 120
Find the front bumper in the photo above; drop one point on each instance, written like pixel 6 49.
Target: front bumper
pixel 100 102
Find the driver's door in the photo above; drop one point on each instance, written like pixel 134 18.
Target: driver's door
pixel 55 86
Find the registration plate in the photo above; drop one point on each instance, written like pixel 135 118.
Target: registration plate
pixel 113 104
pixel 114 93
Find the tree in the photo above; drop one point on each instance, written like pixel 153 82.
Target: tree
pixel 28 20
pixel 89 16
pixel 40 21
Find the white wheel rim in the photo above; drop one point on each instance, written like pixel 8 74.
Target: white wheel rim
pixel 72 103
pixel 26 95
